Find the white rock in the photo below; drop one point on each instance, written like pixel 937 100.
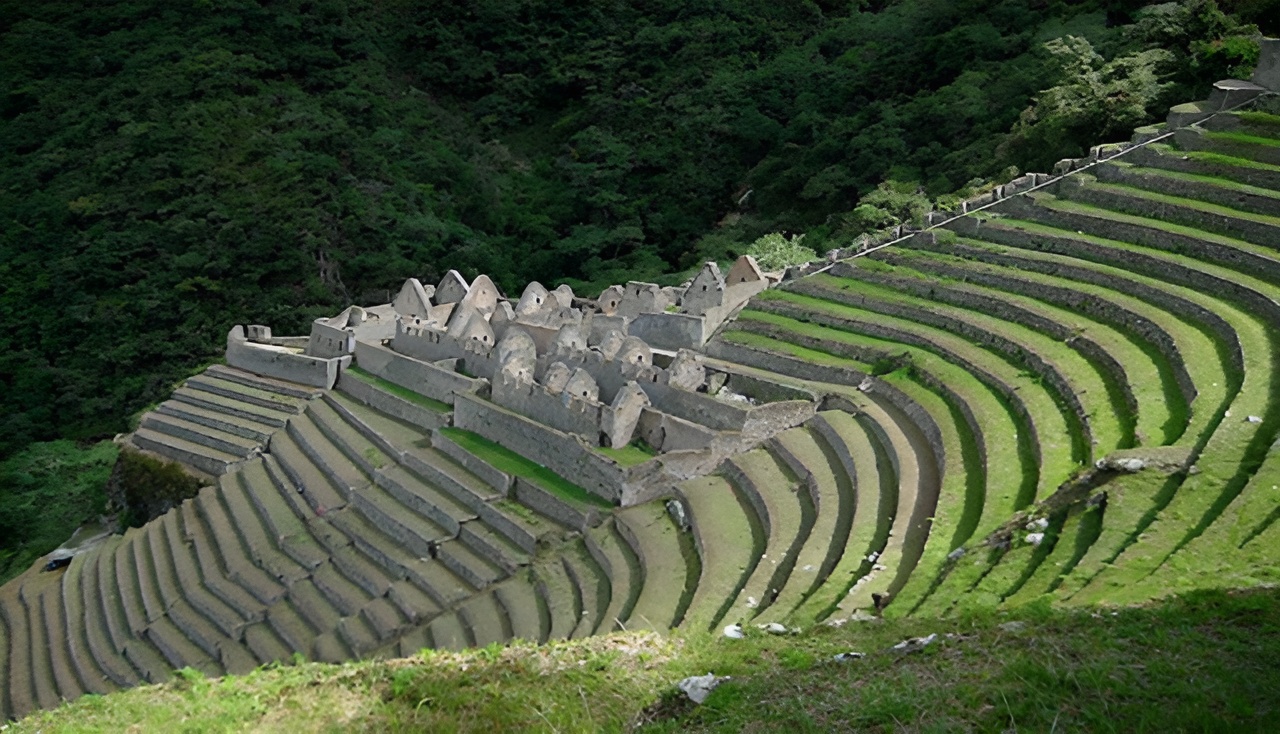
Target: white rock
pixel 915 643
pixel 774 628
pixel 698 687
pixel 1255 419
pixel 734 632
pixel 1035 538
pixel 751 602
pixel 844 657
pixel 1038 524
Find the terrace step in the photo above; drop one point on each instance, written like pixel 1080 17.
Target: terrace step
pixel 429 575
pixel 266 645
pixel 799 451
pixel 485 619
pixel 178 650
pixel 1200 187
pixel 266 384
pixel 255 537
pixel 212 438
pixel 417 533
pixel 22 693
pixel 226 618
pixel 340 596
pixel 232 551
pixel 656 542
pixel 331 647
pixel 243 393
pixel 359 634
pixel 264 482
pixel 447 632
pixel 83 634
pixel 560 595
pixel 331 460
pixel 424 499
pixel 97 626
pixel 321 494
pixel 874 484
pixel 208 460
pixel 493 546
pixel 73 669
pixel 467 564
pixel 291 628
pixel 519 599
pixel 619 562
pixel 786 516
pixel 48 667
pixel 415 604
pixel 194 536
pixel 593 589
pixel 370 391
pixel 220 421
pixel 213 402
pixel 729 539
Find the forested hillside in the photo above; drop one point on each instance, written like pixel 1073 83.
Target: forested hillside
pixel 168 169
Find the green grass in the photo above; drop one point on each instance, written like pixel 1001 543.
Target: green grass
pixel 1208 661
pixel 1217 181
pixel 1230 455
pixel 399 391
pixel 1098 391
pixel 1208 156
pixel 505 460
pixel 1186 203
pixel 1233 137
pixel 636 452
pixel 1261 119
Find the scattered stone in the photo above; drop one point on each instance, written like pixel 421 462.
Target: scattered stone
pixel 1035 538
pixel 1041 523
pixel 734 632
pixel 752 602
pixel 844 657
pixel 698 687
pixel 956 554
pixel 1255 419
pixel 774 628
pixel 1014 627
pixel 1128 464
pixel 915 644
pixel 873 557
pixel 675 508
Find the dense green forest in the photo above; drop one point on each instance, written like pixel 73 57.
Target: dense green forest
pixel 168 169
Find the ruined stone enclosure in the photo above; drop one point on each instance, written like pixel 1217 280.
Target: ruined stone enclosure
pixel 1065 390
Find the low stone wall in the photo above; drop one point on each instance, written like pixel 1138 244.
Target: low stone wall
pixel 562 453
pixel 1249 230
pixel 421 377
pixel 979 303
pixel 558 410
pixel 1158 268
pixel 392 405
pixel 785 365
pixel 284 365
pixel 1061 388
pixel 668 433
pixel 1264 178
pixel 1097 308
pixel 500 481
pixel 1192 188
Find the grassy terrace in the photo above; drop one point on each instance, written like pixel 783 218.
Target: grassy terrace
pixel 1139 376
pixel 1202 664
pixel 1133 192
pixel 1231 454
pixel 976 491
pixel 1053 429
pixel 1152 376
pixel 1075 207
pixel 1238 137
pixel 1152 173
pixel 508 461
pixel 1207 156
pixel 398 391
pixel 636 452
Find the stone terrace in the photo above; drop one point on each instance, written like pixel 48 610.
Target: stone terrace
pixel 1068 393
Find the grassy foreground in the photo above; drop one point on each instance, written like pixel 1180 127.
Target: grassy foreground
pixel 1209 661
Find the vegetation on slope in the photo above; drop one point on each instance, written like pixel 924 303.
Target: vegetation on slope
pixel 168 170
pixel 1208 661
